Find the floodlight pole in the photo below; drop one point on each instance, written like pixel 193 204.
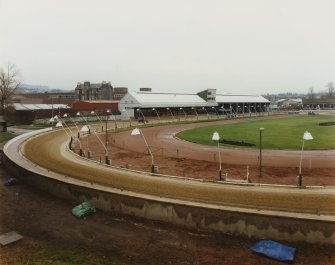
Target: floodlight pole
pixel 124 110
pixel 107 160
pixel 102 126
pixel 261 130
pixel 206 112
pixel 196 112
pixel 171 113
pixel 184 113
pixel 154 109
pixel 107 112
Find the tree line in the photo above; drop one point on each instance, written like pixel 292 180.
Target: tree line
pixel 328 93
pixel 9 83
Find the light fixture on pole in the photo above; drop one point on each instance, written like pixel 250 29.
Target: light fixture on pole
pixel 143 118
pixel 94 113
pixel 137 131
pixel 206 112
pixel 59 124
pixel 183 112
pixel 171 113
pixel 156 113
pixel 215 111
pixel 106 136
pixel 107 160
pixel 65 115
pixel 216 137
pixel 125 111
pixel 196 113
pixel 261 130
pixel 88 127
pixel 307 136
pixel 86 130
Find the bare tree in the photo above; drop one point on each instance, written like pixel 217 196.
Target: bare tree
pixel 331 89
pixel 311 93
pixel 9 83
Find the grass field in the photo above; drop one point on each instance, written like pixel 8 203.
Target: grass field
pixel 5 136
pixel 282 134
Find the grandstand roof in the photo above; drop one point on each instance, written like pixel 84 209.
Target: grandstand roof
pixel 19 106
pixel 240 99
pixel 150 99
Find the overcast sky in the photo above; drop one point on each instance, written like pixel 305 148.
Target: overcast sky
pixel 235 46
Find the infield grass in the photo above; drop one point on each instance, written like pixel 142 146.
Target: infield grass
pixel 281 134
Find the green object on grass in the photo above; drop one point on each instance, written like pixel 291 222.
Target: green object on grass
pixel 83 209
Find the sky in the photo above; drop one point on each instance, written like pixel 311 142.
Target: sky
pixel 235 46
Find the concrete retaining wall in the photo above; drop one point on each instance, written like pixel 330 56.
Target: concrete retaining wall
pixel 184 214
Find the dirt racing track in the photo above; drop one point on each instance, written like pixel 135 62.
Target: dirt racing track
pixel 283 213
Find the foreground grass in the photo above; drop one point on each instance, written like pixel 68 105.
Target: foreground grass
pixel 5 136
pixel 285 133
pixel 33 126
pixel 58 255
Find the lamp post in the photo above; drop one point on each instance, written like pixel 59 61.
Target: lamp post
pixel 65 115
pixel 215 111
pixel 156 113
pixel 307 136
pixel 139 111
pixel 171 113
pixel 183 112
pixel 261 130
pixel 248 110
pixel 206 112
pixel 216 137
pixel 196 113
pixel 106 137
pixel 60 124
pixel 137 131
pixel 94 113
pixel 125 111
pixel 115 123
pixel 107 160
pixel 222 110
pixel 88 127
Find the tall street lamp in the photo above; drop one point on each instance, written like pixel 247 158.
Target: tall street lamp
pixel 156 113
pixel 216 137
pixel 139 111
pixel 196 113
pixel 206 112
pixel 125 111
pixel 183 112
pixel 106 137
pixel 261 130
pixel 171 113
pixel 65 115
pixel 215 111
pixel 107 160
pixel 94 113
pixel 137 131
pixel 307 136
pixel 88 127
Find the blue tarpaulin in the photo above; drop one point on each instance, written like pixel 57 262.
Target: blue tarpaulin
pixel 11 181
pixel 274 250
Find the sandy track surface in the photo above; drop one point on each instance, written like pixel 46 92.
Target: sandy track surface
pixel 163 141
pixel 47 151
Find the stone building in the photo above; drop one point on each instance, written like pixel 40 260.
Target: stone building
pixel 99 91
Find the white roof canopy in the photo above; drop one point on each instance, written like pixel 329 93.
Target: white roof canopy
pixel 240 99
pixel 163 100
pixel 19 106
